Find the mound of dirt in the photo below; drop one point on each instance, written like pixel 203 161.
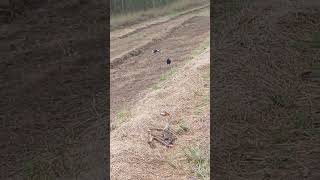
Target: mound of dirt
pixel 53 89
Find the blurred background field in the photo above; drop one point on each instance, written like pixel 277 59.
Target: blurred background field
pixel 128 12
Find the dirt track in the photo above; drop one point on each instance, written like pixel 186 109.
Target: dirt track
pixel 133 73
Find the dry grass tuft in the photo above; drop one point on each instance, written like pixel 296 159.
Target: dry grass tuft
pixel 199 161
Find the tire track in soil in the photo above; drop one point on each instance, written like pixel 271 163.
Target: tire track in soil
pixel 130 78
pixel 129 30
pixel 162 22
pixel 122 49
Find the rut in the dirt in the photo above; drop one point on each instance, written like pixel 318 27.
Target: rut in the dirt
pixel 123 48
pixel 133 76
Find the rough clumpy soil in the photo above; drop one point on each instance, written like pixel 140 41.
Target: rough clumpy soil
pixel 265 116
pixel 53 90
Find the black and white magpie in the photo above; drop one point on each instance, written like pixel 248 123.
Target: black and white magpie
pixel 155 51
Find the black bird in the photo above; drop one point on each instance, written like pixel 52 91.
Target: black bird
pixel 168 61
pixel 155 51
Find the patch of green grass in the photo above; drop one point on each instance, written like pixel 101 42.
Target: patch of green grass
pixel 166 75
pixel 199 161
pixel 155 87
pixel 163 77
pixel 122 116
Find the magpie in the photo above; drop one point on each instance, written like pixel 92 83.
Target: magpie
pixel 168 61
pixel 155 51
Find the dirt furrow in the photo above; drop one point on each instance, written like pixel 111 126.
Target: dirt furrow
pixel 131 77
pixel 125 32
pixel 130 45
pixel 162 22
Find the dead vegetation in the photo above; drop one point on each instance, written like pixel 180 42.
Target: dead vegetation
pixel 265 117
pixel 188 155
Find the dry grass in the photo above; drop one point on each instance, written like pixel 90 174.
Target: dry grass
pixel 129 148
pixel 170 10
pixel 194 54
pixel 263 111
pixel 168 74
pixel 199 161
pixel 202 47
pixel 121 117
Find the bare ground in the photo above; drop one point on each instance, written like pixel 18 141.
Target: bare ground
pixel 121 45
pixel 265 113
pixel 53 91
pixel 143 85
pixel 128 30
pixel 131 77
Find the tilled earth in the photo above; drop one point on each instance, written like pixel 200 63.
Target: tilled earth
pixel 123 41
pixel 265 113
pixel 53 90
pixel 136 73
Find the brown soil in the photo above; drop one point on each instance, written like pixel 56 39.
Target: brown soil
pixel 185 95
pixel 53 89
pixel 140 37
pixel 129 79
pixel 264 115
